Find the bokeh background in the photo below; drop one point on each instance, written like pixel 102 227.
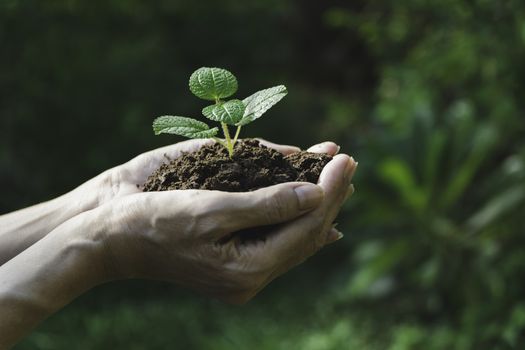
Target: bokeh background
pixel 427 95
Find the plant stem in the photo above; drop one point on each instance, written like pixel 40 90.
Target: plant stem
pixel 229 144
pixel 236 134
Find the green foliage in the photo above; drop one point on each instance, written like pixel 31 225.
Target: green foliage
pixel 214 84
pixel 188 127
pixel 230 112
pixel 261 101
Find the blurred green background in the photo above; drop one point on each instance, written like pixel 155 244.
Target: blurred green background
pixel 428 96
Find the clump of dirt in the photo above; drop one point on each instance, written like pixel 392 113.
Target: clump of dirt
pixel 251 167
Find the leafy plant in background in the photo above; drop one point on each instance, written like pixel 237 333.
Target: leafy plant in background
pixel 453 224
pixel 216 84
pixel 439 219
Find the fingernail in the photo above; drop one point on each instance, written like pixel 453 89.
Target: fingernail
pixel 350 191
pixel 338 149
pixel 309 196
pixel 334 235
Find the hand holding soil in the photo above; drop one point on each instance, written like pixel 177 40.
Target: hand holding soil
pixel 211 241
pixel 227 245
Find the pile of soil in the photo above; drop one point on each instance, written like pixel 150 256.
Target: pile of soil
pixel 251 167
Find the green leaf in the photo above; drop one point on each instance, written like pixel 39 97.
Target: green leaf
pixel 498 206
pixel 191 128
pixel 230 112
pixel 380 264
pixel 212 83
pixel 261 101
pixel 484 142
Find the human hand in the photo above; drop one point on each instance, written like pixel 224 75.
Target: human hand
pixel 23 228
pixel 189 237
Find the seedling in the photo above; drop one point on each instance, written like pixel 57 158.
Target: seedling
pixel 216 84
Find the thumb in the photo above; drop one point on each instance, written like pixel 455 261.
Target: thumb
pixel 269 205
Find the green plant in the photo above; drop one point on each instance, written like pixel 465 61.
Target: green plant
pixel 216 84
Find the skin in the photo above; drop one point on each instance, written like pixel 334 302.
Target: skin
pixel 107 229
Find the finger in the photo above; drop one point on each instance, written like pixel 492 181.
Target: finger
pixel 290 244
pixel 297 240
pixel 231 212
pixel 338 173
pixel 293 243
pixel 327 147
pixel 304 235
pixel 284 149
pixel 335 179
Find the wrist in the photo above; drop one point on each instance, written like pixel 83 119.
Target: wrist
pixel 23 228
pixel 50 274
pixel 85 237
pixel 118 247
pixel 76 247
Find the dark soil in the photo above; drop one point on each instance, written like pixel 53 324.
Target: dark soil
pixel 252 166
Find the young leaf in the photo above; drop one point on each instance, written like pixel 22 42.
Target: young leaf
pixel 212 83
pixel 261 101
pixel 194 129
pixel 230 112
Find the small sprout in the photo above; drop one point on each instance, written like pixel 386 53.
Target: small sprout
pixel 215 84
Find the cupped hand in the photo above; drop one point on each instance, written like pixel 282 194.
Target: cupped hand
pixel 189 237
